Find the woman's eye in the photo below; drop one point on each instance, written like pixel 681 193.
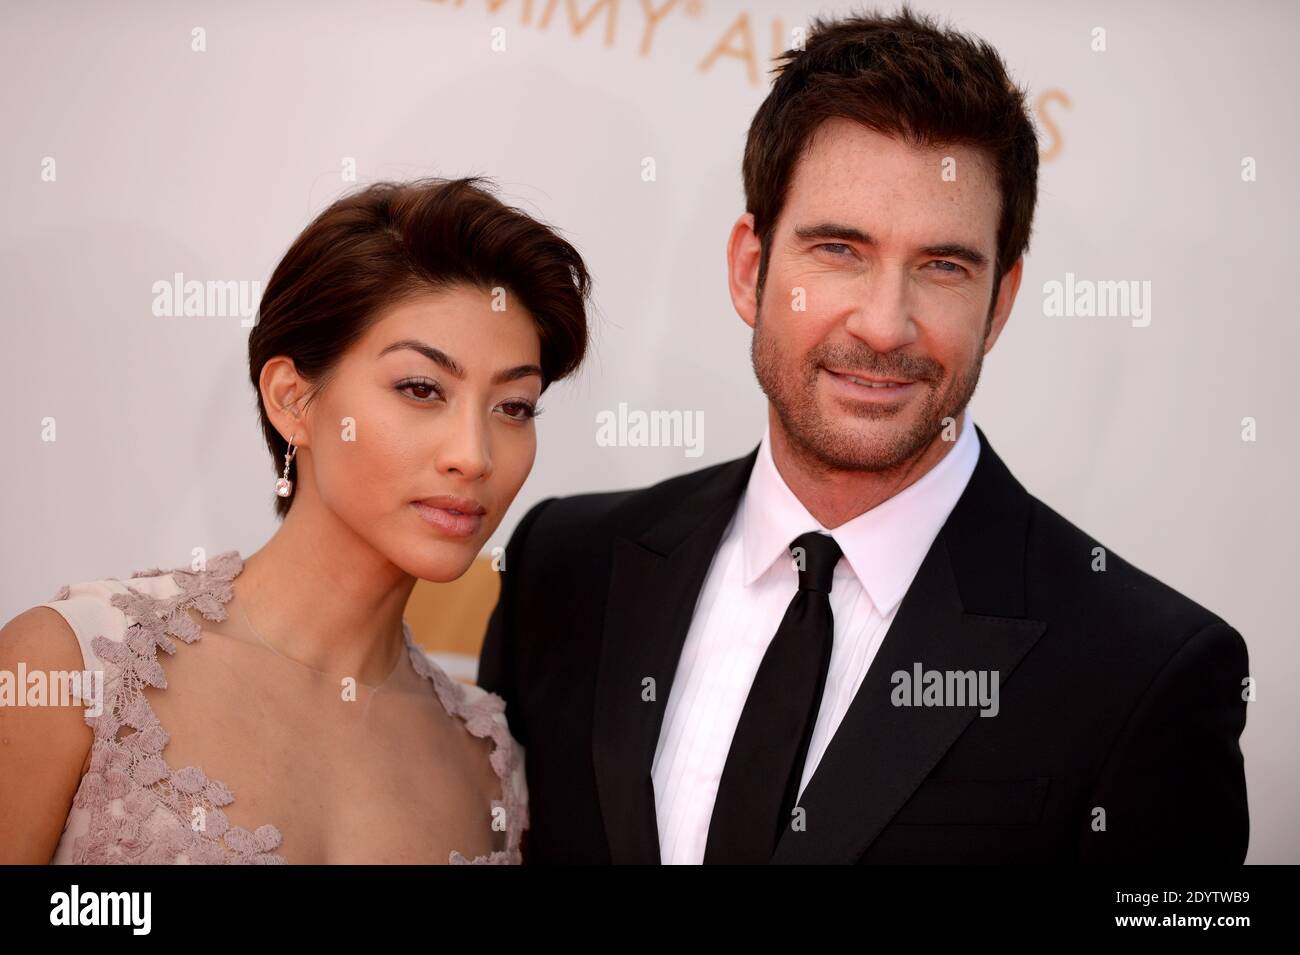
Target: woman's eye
pixel 520 410
pixel 420 389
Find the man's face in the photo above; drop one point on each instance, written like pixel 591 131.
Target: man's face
pixel 874 275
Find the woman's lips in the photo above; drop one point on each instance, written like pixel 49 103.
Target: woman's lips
pixel 448 521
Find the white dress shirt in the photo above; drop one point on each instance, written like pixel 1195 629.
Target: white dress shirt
pixel 749 585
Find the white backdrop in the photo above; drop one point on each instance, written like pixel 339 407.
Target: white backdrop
pixel 129 156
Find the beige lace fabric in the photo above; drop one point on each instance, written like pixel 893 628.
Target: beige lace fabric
pixel 131 806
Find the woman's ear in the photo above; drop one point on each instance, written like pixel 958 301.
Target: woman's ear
pixel 282 391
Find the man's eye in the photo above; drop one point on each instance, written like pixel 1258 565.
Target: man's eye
pixel 836 248
pixel 952 271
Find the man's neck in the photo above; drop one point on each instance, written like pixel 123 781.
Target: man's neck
pixel 835 496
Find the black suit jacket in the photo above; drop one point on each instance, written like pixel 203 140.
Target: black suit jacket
pixel 1120 701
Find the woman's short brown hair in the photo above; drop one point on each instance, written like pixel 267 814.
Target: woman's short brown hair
pixel 902 76
pixel 391 240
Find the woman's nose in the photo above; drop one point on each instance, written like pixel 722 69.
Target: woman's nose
pixel 463 448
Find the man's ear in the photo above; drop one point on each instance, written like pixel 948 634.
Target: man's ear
pixel 282 391
pixel 743 253
pixel 1006 298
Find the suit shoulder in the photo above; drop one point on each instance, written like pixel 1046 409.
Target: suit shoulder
pixel 1086 577
pixel 579 517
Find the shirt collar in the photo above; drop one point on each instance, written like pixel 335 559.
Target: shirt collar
pixel 885 546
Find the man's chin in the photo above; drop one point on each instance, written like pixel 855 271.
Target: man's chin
pixel 852 443
pixel 876 441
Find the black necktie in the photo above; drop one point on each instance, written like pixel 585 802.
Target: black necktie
pixel 760 780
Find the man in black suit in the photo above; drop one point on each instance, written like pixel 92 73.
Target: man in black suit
pixel 941 668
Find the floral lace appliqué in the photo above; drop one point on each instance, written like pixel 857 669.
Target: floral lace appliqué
pixel 483 714
pixel 142 810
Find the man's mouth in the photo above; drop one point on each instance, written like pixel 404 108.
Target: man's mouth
pixel 873 384
pixel 864 387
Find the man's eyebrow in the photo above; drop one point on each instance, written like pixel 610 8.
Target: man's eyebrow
pixel 832 230
pixel 453 367
pixel 845 233
pixel 955 250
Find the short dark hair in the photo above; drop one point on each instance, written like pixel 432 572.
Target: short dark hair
pixel 904 76
pixel 392 240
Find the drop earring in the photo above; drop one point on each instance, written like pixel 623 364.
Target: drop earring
pixel 283 486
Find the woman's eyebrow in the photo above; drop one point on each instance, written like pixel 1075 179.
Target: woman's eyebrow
pixel 515 373
pixel 435 355
pixel 453 367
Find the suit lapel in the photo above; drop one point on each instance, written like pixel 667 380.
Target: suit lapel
pixel 964 611
pixel 655 580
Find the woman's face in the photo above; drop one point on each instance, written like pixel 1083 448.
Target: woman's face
pixel 424 434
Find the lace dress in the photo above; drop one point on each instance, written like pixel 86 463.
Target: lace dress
pixel 131 805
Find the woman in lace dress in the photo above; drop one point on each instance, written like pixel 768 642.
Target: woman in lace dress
pixel 273 707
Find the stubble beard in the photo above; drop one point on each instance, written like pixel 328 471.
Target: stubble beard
pixel 792 392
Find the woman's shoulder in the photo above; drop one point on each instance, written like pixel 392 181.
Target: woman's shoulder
pixel 482 711
pixel 153 581
pixel 484 715
pixel 87 607
pixel 99 608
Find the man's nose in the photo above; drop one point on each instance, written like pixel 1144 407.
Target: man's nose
pixel 881 315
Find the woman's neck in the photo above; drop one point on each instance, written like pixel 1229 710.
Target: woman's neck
pixel 324 597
